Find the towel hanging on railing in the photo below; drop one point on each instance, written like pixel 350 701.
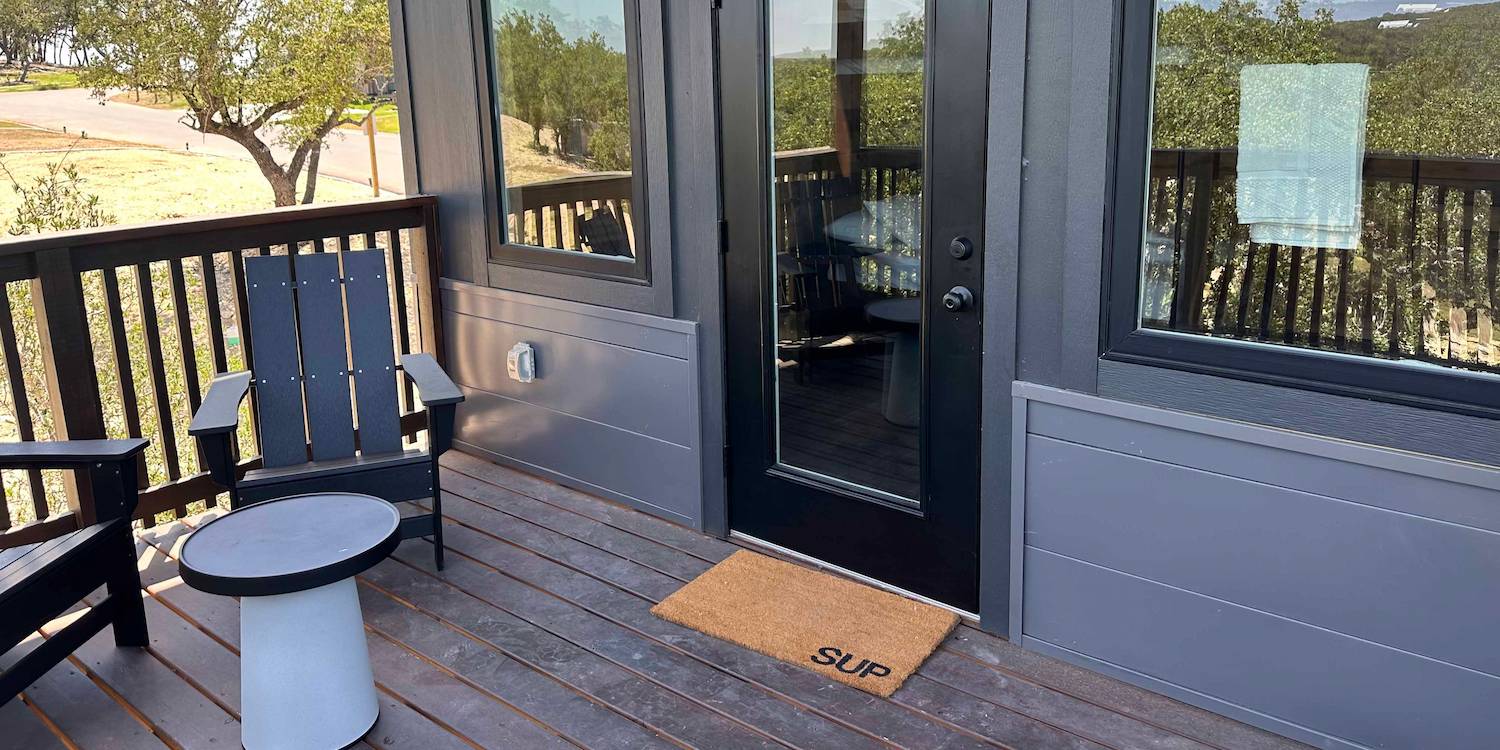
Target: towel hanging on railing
pixel 1301 153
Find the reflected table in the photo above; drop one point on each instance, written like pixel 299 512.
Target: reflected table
pixel 902 398
pixel 305 678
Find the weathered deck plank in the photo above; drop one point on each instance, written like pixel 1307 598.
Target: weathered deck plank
pixel 1025 731
pixel 81 711
pixel 25 727
pixel 539 634
pixel 1052 688
pixel 506 610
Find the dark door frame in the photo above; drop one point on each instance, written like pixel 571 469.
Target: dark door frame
pixel 933 551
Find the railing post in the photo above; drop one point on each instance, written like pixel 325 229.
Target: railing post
pixel 427 268
pixel 68 357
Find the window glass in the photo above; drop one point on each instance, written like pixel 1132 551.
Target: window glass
pixel 1325 176
pixel 562 76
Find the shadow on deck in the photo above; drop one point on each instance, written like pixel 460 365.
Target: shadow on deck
pixel 538 635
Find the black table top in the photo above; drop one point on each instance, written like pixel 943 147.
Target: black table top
pixel 290 544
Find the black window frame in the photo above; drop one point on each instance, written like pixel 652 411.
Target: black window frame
pixel 504 252
pixel 1123 339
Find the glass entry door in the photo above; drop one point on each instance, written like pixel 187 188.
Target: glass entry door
pixel 853 139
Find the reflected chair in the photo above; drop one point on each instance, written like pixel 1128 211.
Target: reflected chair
pixel 321 334
pixel 603 233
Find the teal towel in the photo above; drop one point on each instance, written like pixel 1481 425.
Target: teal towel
pixel 1301 155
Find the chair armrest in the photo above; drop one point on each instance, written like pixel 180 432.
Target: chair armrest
pixel 220 411
pixel 68 454
pixel 111 467
pixel 434 387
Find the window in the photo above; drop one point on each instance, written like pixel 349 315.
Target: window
pixel 1312 197
pixel 565 135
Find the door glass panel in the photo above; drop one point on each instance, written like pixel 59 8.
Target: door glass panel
pixel 847 80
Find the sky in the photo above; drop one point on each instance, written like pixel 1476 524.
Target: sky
pixel 574 18
pixel 796 25
pixel 807 25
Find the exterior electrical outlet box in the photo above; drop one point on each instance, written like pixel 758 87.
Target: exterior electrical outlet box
pixel 520 362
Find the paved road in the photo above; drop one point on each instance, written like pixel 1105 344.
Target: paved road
pixel 347 154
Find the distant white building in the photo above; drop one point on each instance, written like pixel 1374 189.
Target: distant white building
pixel 1413 8
pixel 1403 24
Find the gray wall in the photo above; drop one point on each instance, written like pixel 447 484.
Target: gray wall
pixel 1049 123
pixel 1337 593
pixel 613 408
pixel 597 345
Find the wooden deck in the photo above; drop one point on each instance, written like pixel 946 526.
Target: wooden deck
pixel 538 635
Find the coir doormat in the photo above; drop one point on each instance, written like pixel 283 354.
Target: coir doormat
pixel 851 632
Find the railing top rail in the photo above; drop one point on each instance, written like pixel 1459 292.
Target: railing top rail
pixel 1385 167
pixel 283 220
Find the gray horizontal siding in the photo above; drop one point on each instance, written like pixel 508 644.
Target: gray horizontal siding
pixel 1375 422
pixel 613 409
pixel 1297 673
pixel 1335 592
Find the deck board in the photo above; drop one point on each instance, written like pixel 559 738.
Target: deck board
pixel 25 728
pixel 539 634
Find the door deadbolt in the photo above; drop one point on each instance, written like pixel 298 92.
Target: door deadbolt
pixel 958 299
pixel 961 248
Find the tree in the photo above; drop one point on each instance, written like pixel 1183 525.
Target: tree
pixel 1200 53
pixel 595 106
pixel 261 73
pixel 25 28
pixel 531 61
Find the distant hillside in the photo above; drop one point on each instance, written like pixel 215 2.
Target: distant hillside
pixel 1365 40
pixel 1343 10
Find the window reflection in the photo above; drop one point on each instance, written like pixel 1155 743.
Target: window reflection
pixel 1327 178
pixel 847 79
pixel 561 72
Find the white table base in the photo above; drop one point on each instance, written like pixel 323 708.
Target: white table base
pixel 903 380
pixel 305 679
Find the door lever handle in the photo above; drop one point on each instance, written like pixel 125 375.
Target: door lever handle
pixel 958 299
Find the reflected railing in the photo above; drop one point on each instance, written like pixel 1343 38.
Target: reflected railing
pixel 1421 285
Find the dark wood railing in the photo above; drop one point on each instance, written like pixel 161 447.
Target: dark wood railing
pixel 1422 284
pixel 117 332
pixel 545 214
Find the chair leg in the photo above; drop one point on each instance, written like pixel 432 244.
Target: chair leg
pixel 124 586
pixel 437 519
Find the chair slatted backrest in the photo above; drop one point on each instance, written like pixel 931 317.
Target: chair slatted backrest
pixel 302 355
pixel 325 362
pixel 278 371
pixel 370 338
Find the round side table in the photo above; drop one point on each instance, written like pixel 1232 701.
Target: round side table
pixel 903 372
pixel 305 678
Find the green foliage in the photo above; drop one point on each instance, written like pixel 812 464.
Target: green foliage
pixel 1434 89
pixel 1199 56
pixel 246 67
pixel 1443 97
pixel 25 28
pixel 893 111
pixel 579 89
pixel 55 202
pixel 803 103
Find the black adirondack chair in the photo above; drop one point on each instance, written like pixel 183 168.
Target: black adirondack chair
pixel 42 580
pixel 303 354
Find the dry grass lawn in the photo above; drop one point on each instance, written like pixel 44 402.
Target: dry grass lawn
pixel 523 163
pixel 140 184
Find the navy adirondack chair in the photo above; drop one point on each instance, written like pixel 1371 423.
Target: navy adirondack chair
pixel 318 332
pixel 40 581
